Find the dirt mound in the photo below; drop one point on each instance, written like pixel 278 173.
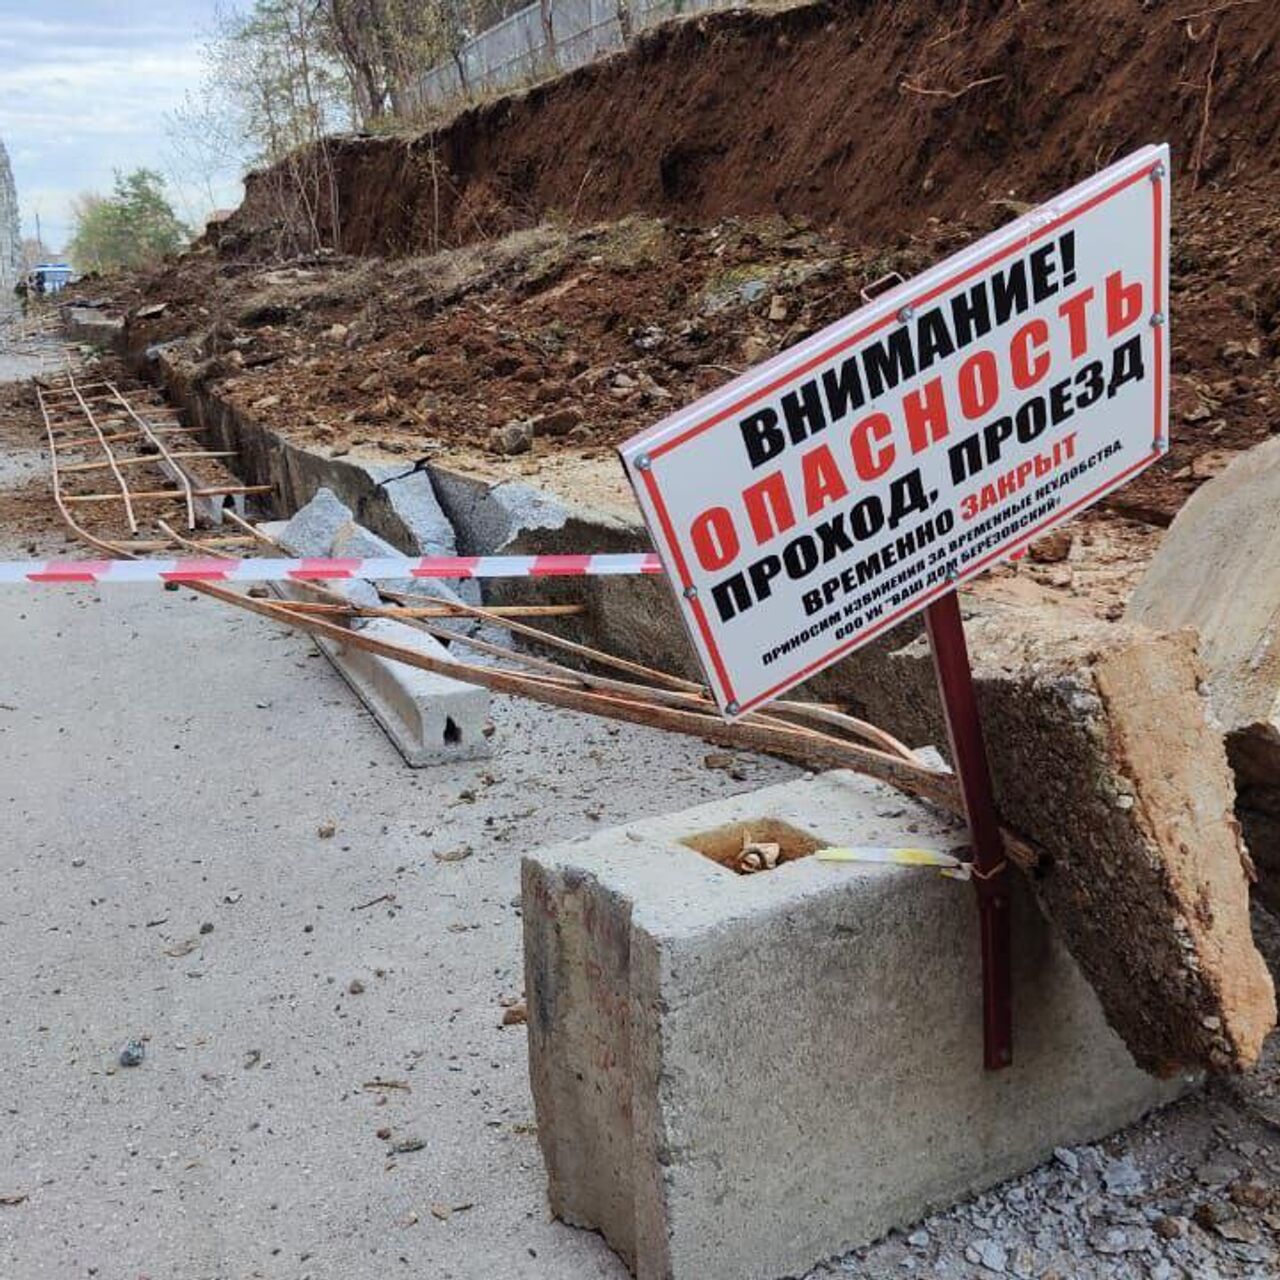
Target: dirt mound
pixel 870 116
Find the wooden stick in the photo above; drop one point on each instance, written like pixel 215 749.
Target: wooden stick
pixel 151 458
pixel 697 696
pixel 798 710
pixel 201 545
pixel 670 697
pixel 173 494
pixel 790 707
pixel 118 435
pixel 797 744
pixel 444 610
pixel 484 614
pixel 783 707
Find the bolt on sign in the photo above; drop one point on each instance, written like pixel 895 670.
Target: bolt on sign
pixel 826 495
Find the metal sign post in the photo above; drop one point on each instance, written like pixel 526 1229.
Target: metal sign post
pixel 990 871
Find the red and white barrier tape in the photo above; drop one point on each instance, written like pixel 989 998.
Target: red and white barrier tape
pixel 376 568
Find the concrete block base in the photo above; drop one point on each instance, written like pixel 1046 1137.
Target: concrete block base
pixel 737 1077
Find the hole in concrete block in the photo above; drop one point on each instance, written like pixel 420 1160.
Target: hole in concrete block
pixel 746 847
pixel 452 734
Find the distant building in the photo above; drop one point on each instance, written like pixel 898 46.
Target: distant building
pixel 10 234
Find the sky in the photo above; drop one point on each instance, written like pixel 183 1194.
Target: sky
pixel 84 89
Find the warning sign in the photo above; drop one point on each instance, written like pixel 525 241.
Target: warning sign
pixel 826 495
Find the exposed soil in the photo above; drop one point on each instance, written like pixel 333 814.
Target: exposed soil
pixel 867 115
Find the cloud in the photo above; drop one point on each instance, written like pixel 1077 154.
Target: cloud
pixel 85 87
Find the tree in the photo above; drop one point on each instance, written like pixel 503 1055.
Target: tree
pixel 271 95
pixel 387 46
pixel 132 227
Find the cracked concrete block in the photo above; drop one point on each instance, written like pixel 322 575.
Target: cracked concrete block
pixel 1217 570
pixel 311 530
pixel 738 1077
pixel 633 617
pixel 431 719
pixel 413 502
pixel 488 517
pixel 1106 755
pixel 352 539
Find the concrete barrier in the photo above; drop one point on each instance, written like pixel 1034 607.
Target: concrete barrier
pixel 738 1077
pixel 430 718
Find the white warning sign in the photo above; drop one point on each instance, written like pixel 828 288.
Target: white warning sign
pixel 811 504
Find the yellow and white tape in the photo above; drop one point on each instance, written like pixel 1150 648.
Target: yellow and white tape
pixel 946 864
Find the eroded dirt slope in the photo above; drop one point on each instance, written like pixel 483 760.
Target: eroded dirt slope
pixel 867 115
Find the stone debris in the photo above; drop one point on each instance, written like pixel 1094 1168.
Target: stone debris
pixel 311 530
pixel 133 1053
pixel 515 437
pixel 1052 547
pixel 1062 1221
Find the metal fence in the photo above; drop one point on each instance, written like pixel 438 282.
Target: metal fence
pixel 517 50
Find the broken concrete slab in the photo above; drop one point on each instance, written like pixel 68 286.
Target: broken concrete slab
pixel 741 1076
pixel 354 540
pixel 489 517
pixel 430 718
pixel 632 617
pixel 1104 750
pixel 424 529
pixel 326 527
pixel 310 531
pixel 1217 570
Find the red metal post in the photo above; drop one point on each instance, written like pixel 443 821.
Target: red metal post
pixel 991 876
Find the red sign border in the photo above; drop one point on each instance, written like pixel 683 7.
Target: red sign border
pixel 1154 174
